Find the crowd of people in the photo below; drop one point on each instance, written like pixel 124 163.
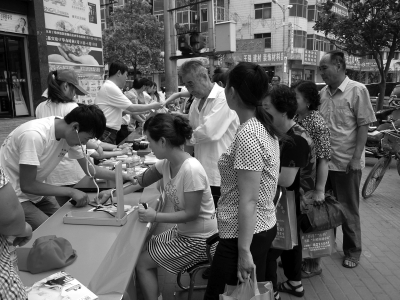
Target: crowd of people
pixel 222 157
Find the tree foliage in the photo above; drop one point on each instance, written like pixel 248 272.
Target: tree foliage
pixel 372 27
pixel 135 37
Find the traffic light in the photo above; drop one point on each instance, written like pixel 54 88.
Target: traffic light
pixel 191 42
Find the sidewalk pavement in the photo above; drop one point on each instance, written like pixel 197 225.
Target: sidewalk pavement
pixel 376 277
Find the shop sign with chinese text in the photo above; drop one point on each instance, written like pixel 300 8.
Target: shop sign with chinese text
pixel 263 59
pixel 311 57
pixel 14 23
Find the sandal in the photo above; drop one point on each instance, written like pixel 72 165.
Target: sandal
pixel 291 290
pixel 348 261
pixel 277 296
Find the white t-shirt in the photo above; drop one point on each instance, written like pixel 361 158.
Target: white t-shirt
pixel 112 102
pixel 191 177
pixel 34 143
pixel 68 171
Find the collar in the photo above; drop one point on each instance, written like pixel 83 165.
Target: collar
pixel 342 86
pixel 215 91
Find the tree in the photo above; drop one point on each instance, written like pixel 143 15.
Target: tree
pixel 135 37
pixel 371 27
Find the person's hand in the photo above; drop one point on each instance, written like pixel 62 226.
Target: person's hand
pixel 104 196
pixel 126 177
pixel 318 197
pixel 156 105
pixel 84 59
pixel 245 265
pixel 124 145
pixel 23 238
pixel 81 198
pixel 125 151
pixel 353 165
pixel 146 215
pixel 64 54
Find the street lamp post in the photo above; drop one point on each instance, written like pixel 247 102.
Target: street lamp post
pixel 284 8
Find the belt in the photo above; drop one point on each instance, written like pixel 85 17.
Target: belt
pixel 111 130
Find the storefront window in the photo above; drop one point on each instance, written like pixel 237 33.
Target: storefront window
pixel 309 75
pixel 262 11
pixel 297 75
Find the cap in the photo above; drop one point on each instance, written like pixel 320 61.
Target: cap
pixel 47 253
pixel 71 77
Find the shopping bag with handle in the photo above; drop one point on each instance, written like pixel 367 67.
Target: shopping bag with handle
pixel 249 290
pixel 318 244
pixel 286 221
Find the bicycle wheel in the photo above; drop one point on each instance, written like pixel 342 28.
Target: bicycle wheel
pixel 375 176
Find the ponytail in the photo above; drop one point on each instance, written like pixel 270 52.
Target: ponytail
pixel 55 94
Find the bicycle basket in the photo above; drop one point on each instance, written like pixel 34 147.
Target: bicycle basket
pixel 391 142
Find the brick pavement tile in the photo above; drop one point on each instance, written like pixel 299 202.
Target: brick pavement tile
pixel 336 291
pixel 378 277
pixel 382 268
pixel 325 296
pixel 394 280
pixel 391 291
pixel 365 293
pixel 318 285
pixel 372 285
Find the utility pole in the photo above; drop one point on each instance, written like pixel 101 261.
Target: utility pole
pixel 211 33
pixel 171 73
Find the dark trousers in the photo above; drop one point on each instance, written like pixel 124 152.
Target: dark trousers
pixel 109 136
pixel 346 189
pixel 291 263
pixel 122 134
pixel 216 193
pixel 225 262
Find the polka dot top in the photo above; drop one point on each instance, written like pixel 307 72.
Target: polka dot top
pixel 253 149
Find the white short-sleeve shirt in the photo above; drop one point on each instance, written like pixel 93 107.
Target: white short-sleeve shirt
pixel 191 177
pixel 34 143
pixel 68 171
pixel 112 102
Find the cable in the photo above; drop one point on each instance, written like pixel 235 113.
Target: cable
pixel 87 168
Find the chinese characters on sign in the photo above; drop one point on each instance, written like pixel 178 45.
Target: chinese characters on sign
pixel 310 57
pixel 250 45
pixel 263 59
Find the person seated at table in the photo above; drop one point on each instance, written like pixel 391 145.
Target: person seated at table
pixel 12 224
pixel 186 185
pixel 33 150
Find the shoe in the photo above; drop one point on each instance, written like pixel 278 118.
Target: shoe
pixel 350 260
pixel 206 274
pixel 291 290
pixel 277 296
pixel 305 274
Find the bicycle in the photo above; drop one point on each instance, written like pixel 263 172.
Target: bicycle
pixel 389 146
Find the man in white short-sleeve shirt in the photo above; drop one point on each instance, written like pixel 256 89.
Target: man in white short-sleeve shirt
pixel 34 149
pixel 113 102
pixel 214 123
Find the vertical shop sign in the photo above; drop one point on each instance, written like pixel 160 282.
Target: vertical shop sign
pixel 73 35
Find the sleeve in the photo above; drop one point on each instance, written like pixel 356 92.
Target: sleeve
pixel 75 152
pixel 295 152
pixel 216 122
pixel 116 98
pixel 149 176
pixel 3 178
pixel 195 178
pixel 31 146
pixel 322 142
pixel 132 97
pixel 362 106
pixel 247 152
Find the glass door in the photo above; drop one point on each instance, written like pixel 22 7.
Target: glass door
pixel 14 100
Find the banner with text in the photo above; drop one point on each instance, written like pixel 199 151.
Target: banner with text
pixel 73 35
pixel 263 59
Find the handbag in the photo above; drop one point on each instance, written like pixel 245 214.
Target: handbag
pixel 249 290
pixel 318 244
pixel 286 221
pixel 330 214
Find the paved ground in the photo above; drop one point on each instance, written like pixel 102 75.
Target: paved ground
pixel 377 276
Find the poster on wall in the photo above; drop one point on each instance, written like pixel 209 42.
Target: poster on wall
pixel 73 35
pixel 15 23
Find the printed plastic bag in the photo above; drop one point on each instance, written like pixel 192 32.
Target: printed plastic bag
pixel 249 290
pixel 286 221
pixel 318 244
